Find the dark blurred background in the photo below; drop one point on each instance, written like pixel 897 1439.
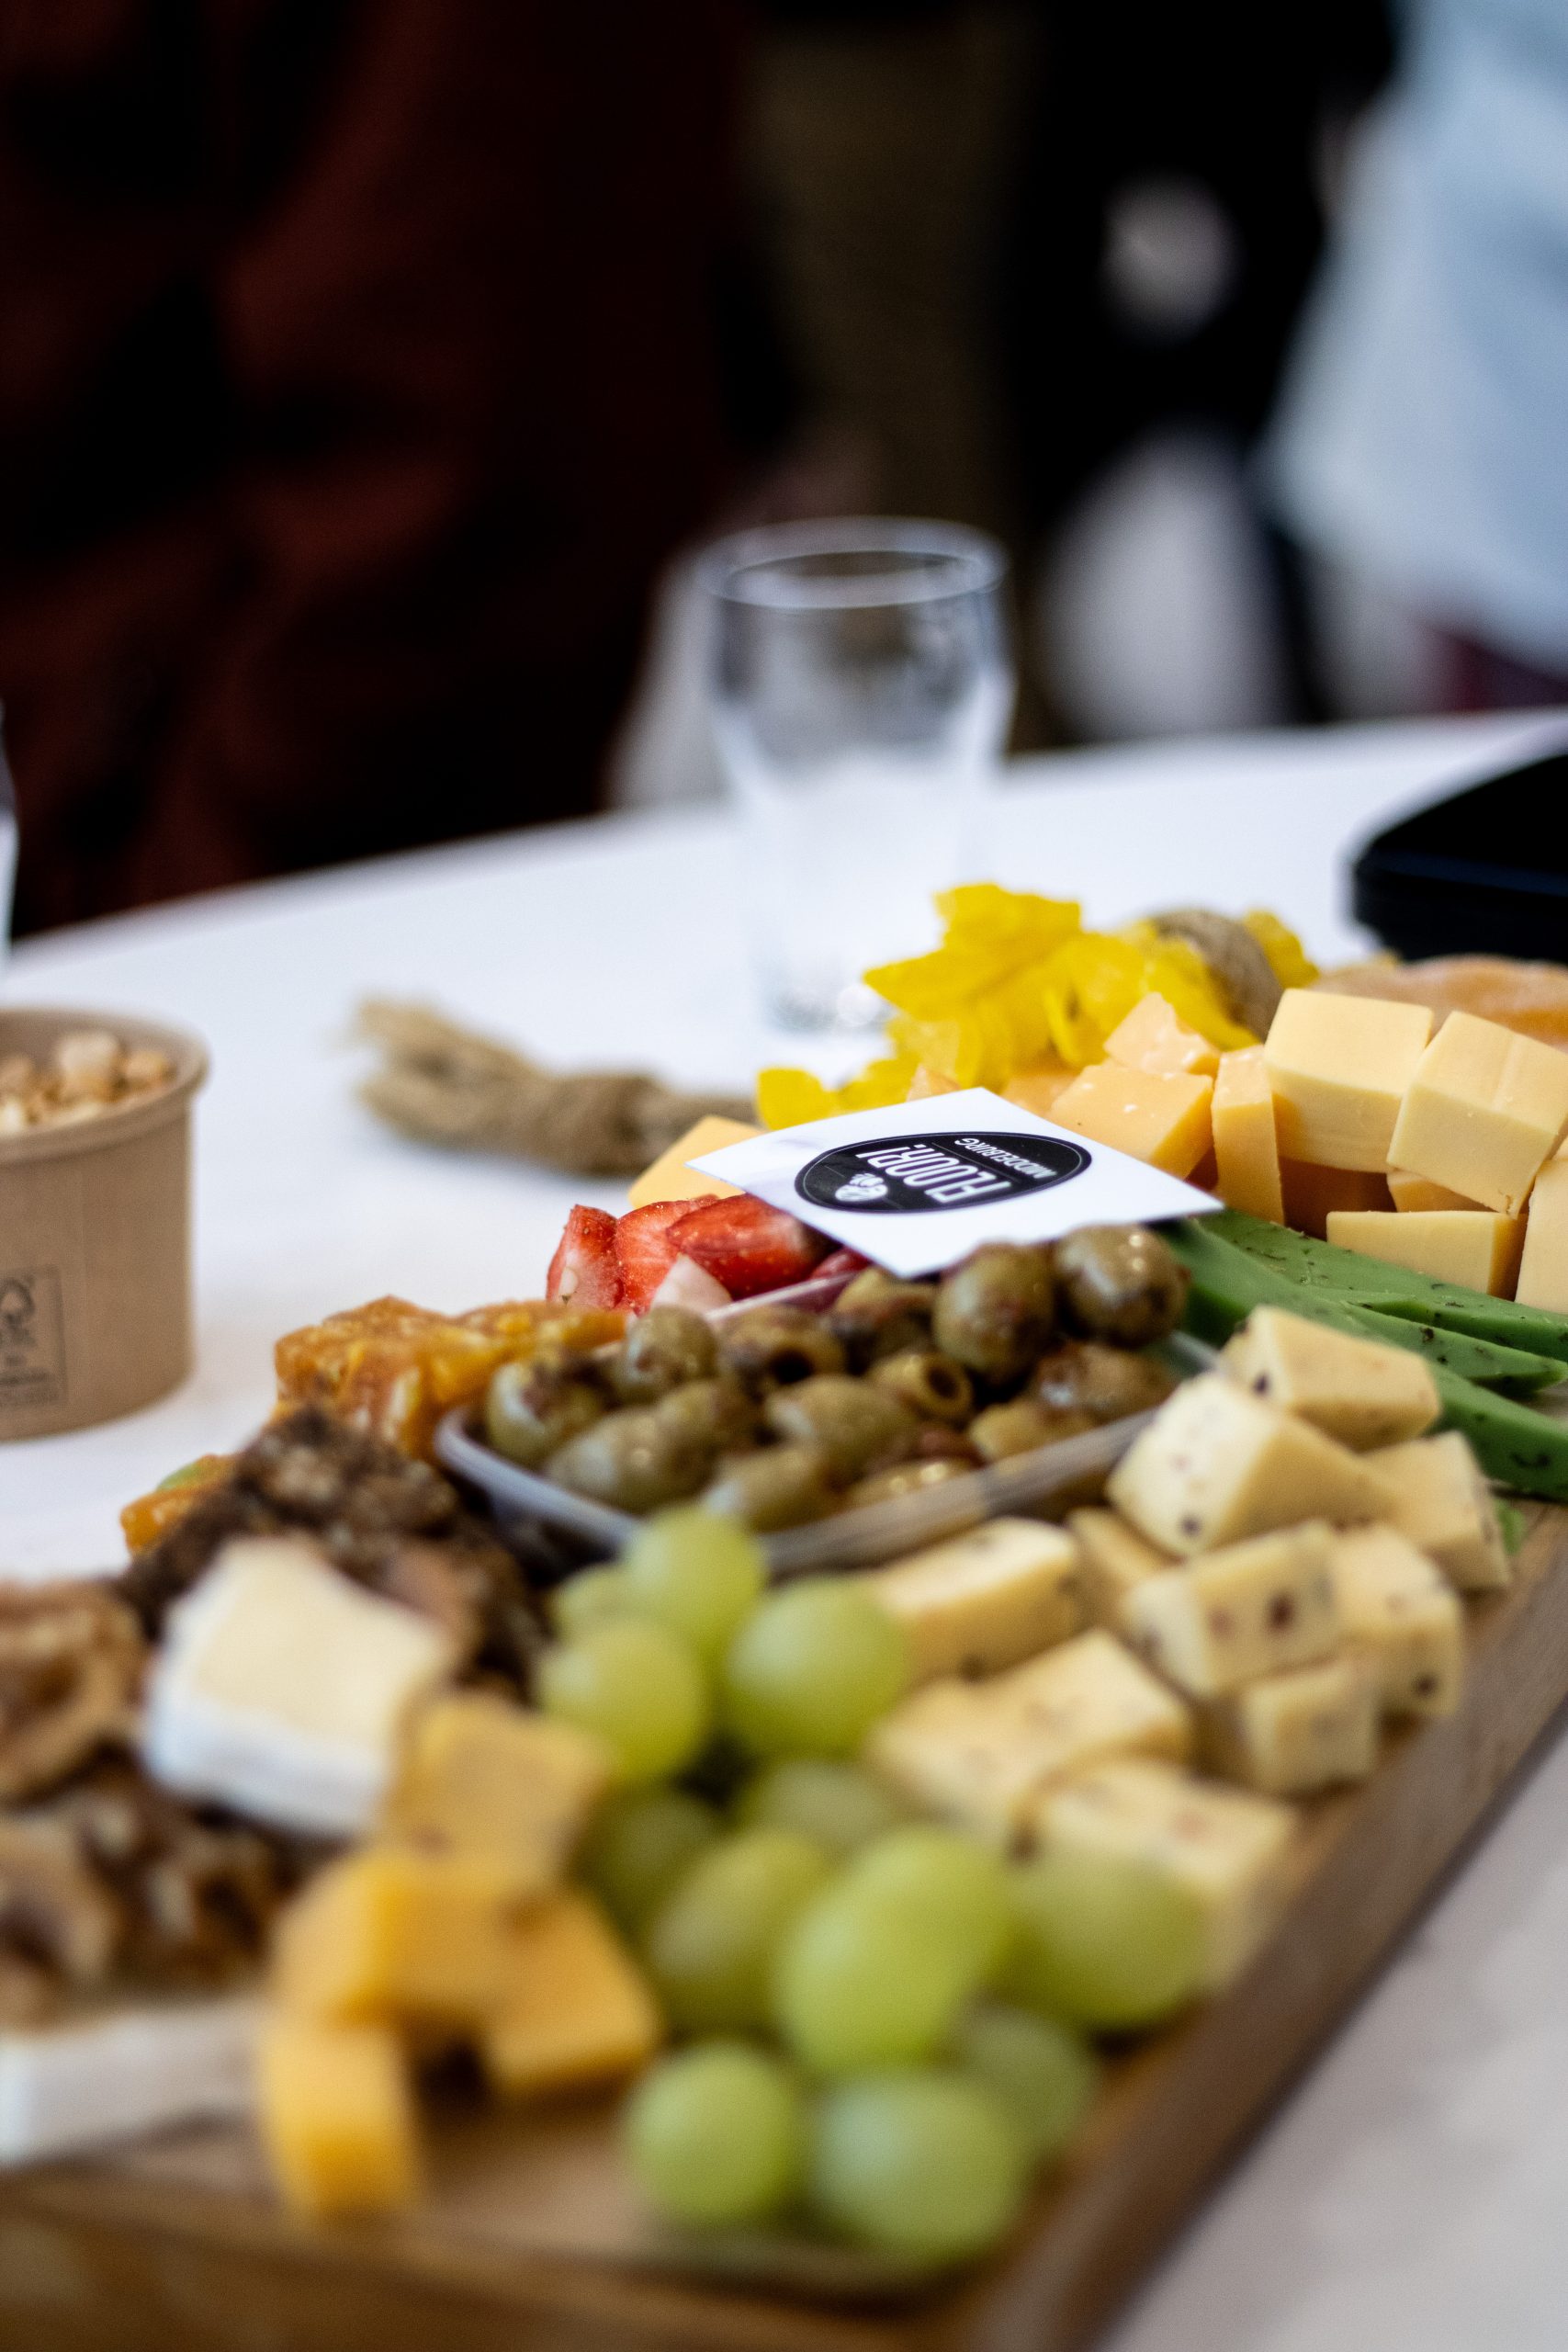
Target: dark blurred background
pixel 369 369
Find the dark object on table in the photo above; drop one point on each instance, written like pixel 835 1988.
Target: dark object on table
pixel 1483 871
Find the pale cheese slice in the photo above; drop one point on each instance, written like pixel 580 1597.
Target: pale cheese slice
pixel 1477 1247
pixel 984 1601
pixel 94 2080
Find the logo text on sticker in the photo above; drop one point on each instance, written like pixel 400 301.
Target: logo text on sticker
pixel 905 1175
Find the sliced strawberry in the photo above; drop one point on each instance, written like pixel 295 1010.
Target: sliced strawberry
pixel 748 1246
pixel 686 1285
pixel 842 1261
pixel 585 1269
pixel 645 1249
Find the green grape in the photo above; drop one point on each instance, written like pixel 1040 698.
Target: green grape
pixel 838 1804
pixel 812 1670
pixel 1043 2073
pixel 640 1843
pixel 636 1686
pixel 920 2161
pixel 858 1982
pixel 956 1891
pixel 588 1599
pixel 710 1945
pixel 696 1572
pixel 717 2134
pixel 1110 1945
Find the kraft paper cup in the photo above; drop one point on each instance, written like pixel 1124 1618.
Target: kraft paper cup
pixel 95 1241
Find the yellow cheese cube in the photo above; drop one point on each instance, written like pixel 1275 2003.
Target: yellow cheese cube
pixel 1155 1037
pixel 482 1777
pixel 1289 1734
pixel 1115 1559
pixel 578 2010
pixel 977 1753
pixel 1403 1618
pixel 1355 1390
pixel 1163 1120
pixel 1544 1268
pixel 1338 1067
pixel 1216 1465
pixel 1483 1110
pixel 1246 1610
pixel 985 1601
pixel 1246 1149
pixel 1039 1088
pixel 1312 1195
pixel 1438 1498
pixel 671 1178
pixel 1227 1849
pixel 1475 1247
pixel 337 2116
pixel 1409 1192
pixel 389 1935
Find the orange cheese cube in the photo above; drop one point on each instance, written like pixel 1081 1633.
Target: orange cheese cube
pixel 337 2116
pixel 669 1177
pixel 1314 1194
pixel 1151 1116
pixel 484 1778
pixel 576 2010
pixel 1475 1247
pixel 389 1935
pixel 1414 1193
pixel 1246 1149
pixel 1037 1088
pixel 1153 1036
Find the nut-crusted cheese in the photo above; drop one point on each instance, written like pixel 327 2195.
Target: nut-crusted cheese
pixel 1337 1068
pixel 1289 1734
pixel 985 1601
pixel 1437 1496
pixel 1225 1847
pixel 1217 1465
pixel 979 1753
pixel 1250 1609
pixel 1404 1618
pixel 1475 1247
pixel 1485 1108
pixel 1355 1390
pixel 1115 1560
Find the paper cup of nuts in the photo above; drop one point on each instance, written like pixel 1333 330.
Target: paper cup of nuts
pixel 94 1215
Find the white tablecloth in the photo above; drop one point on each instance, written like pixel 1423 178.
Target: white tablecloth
pixel 1410 2199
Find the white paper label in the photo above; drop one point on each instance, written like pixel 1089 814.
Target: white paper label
pixel 917 1186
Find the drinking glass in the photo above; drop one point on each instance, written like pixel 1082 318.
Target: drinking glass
pixel 861 687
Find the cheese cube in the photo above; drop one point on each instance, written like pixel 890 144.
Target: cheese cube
pixel 1246 1149
pixel 1355 1390
pixel 1250 1609
pixel 118 2074
pixel 1161 1119
pixel 389 1935
pixel 1475 1247
pixel 1154 1038
pixel 281 1688
pixel 1483 1110
pixel 1038 1088
pixel 1115 1559
pixel 482 1777
pixel 1404 1618
pixel 977 1753
pixel 928 1082
pixel 1438 1498
pixel 338 2119
pixel 1312 1195
pixel 1227 1849
pixel 669 1177
pixel 984 1601
pixel 1289 1734
pixel 1544 1268
pixel 1216 1465
pixel 1409 1192
pixel 1338 1067
pixel 576 2012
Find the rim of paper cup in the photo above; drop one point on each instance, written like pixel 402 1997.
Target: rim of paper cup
pixel 122 1122
pixel 925 562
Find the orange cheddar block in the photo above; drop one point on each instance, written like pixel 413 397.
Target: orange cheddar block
pixel 577 2011
pixel 1149 1115
pixel 671 1178
pixel 483 1777
pixel 1474 1247
pixel 391 1937
pixel 1037 1088
pixel 1246 1149
pixel 337 2118
pixel 1312 1195
pixel 1155 1037
pixel 1414 1193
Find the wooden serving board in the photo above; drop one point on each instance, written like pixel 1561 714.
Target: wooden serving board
pixel 531 2240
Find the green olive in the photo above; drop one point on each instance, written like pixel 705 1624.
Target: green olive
pixel 1119 1282
pixel 859 1428
pixel 1021 1425
pixel 632 1460
pixel 773 1346
pixel 784 1485
pixel 932 1385
pixel 994 1312
pixel 533 1406
pixel 1085 1376
pixel 666 1347
pixel 875 1314
pixel 903 1479
pixel 717 1412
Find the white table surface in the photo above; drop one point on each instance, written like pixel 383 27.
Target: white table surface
pixel 1411 2195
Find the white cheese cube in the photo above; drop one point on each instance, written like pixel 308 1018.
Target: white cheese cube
pixel 985 1601
pixel 1485 1108
pixel 1437 1496
pixel 1115 1560
pixel 281 1688
pixel 979 1753
pixel 84 2084
pixel 1251 1609
pixel 1216 1465
pixel 1227 1849
pixel 1358 1391
pixel 1404 1617
pixel 1289 1734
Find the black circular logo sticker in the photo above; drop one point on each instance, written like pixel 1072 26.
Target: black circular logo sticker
pixel 911 1175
